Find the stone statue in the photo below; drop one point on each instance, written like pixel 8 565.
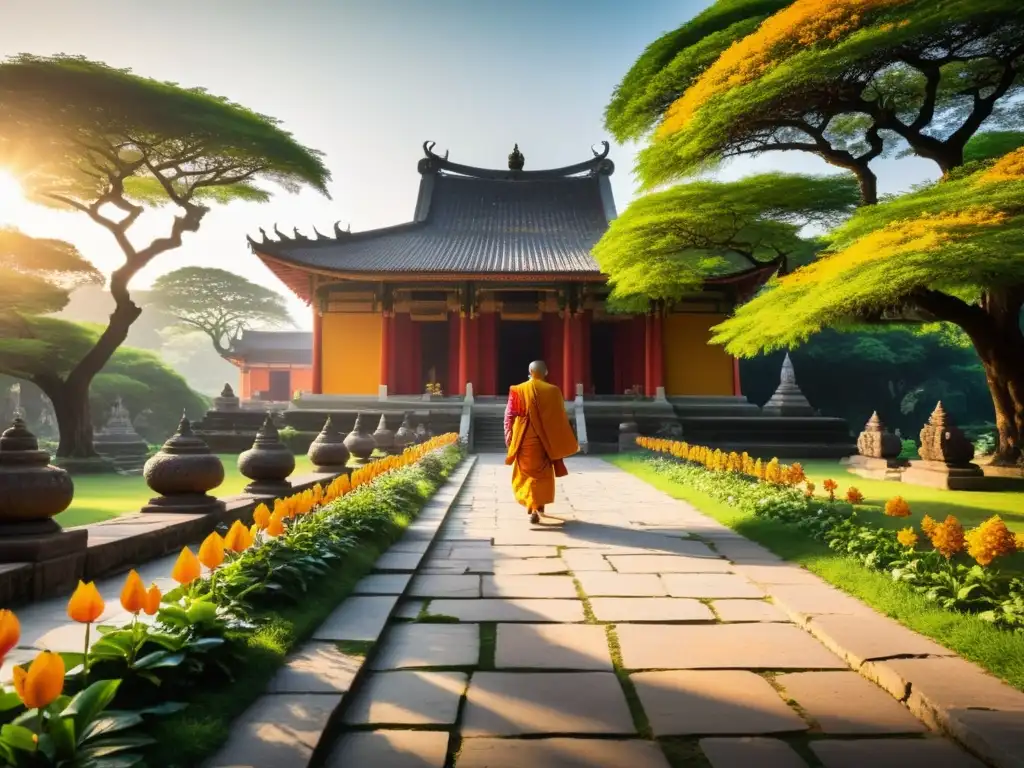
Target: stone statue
pixel 119 443
pixel 788 400
pixel 942 440
pixel 877 443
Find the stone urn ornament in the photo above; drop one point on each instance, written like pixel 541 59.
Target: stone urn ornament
pixel 32 491
pixel 327 452
pixel 405 436
pixel 268 463
pixel 182 472
pixel 384 438
pixel 359 442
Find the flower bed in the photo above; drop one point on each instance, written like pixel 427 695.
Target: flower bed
pixel 218 631
pixel 949 566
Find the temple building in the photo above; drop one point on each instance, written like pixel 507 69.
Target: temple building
pixel 495 270
pixel 273 365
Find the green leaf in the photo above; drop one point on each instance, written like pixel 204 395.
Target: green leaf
pixel 61 731
pixel 111 722
pixel 88 704
pixel 18 737
pixel 104 747
pixel 9 700
pixel 159 660
pixel 201 612
pixel 167 708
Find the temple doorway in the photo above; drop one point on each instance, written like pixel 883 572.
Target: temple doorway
pixel 280 388
pixel 520 342
pixel 434 355
pixel 602 358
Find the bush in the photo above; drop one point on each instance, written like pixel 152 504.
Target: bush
pixel 909 451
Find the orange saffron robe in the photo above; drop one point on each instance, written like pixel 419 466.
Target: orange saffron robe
pixel 540 439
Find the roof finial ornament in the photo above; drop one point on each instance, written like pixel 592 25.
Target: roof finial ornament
pixel 264 233
pixel 281 235
pixel 516 160
pixel 319 235
pixel 603 153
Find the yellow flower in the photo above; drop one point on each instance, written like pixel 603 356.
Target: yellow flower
pixel 133 595
pixel 897 507
pixel 10 632
pixel 1019 541
pixel 990 540
pixel 42 683
pixel 186 568
pixel 253 531
pixel 907 537
pixel 85 605
pixel 261 515
pixel 238 539
pixel 948 537
pixel 211 551
pixel 928 525
pixel 276 525
pixel 153 598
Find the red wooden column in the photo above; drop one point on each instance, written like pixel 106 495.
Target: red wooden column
pixel 387 323
pixel 649 355
pixel 463 351
pixel 318 350
pixel 658 349
pixel 736 388
pixel 568 388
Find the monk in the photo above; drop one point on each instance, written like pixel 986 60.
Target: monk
pixel 539 437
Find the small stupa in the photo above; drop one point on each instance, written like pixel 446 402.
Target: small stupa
pixel 788 400
pixel 119 443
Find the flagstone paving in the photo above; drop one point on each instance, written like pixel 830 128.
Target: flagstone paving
pixel 630 631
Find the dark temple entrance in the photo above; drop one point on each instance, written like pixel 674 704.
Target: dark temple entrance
pixel 434 355
pixel 520 342
pixel 602 358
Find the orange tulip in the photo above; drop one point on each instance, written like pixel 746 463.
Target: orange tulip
pixel 238 539
pixel 133 595
pixel 276 525
pixel 253 532
pixel 85 605
pixel 42 683
pixel 10 632
pixel 261 516
pixel 153 598
pixel 187 568
pixel 211 551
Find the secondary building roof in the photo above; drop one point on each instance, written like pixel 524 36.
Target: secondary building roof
pixel 272 348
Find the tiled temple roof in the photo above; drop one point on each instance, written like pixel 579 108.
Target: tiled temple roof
pixel 280 347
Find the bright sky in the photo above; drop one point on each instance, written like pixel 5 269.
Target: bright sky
pixel 366 82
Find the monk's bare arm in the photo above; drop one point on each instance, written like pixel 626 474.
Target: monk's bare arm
pixel 511 411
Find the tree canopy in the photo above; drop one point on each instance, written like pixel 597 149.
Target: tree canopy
pixel 946 243
pixel 219 303
pixel 848 80
pixel 666 244
pixel 37 275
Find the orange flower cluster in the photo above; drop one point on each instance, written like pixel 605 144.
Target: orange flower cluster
pixel 990 540
pixel 948 537
pixel 830 487
pixel 717 461
pixel 897 507
pixel 854 496
pixel 802 24
pixel 43 681
pixel 1010 167
pixel 907 537
pixel 928 525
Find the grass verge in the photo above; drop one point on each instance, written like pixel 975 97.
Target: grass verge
pixel 998 651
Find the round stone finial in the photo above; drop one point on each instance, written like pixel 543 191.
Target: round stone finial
pixel 227 401
pixel 32 491
pixel 359 442
pixel 516 160
pixel 18 438
pixel 182 472
pixel 327 452
pixel 268 463
pixel 384 438
pixel 227 391
pixel 405 436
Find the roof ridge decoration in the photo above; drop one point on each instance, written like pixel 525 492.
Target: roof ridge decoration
pixel 298 237
pixel 434 163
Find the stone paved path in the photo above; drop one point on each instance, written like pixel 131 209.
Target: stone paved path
pixel 633 633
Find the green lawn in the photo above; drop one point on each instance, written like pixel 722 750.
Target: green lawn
pixel 98 497
pixel 998 651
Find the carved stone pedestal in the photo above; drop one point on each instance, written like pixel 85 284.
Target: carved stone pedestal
pixel 182 472
pixel 946 458
pixel 268 463
pixel 878 453
pixel 327 452
pixel 938 474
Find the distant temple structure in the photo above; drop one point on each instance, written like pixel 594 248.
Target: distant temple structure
pixel 273 365
pixel 493 271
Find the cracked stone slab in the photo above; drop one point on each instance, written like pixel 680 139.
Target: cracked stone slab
pixel 649 609
pixel 316 667
pixel 748 610
pixel 892 753
pixel 669 564
pixel 408 698
pixel 710 585
pixel 398 561
pixel 278 731
pixel 868 638
pixel 782 573
pixel 560 753
pixel 563 611
pixel 430 645
pixel 522 703
pixel 358 618
pixel 529 586
pixel 811 600
pixel 750 751
pixel 383 584
pixel 534 566
pixel 445 586
pixel 552 646
pixel 390 749
pixel 722 646
pixel 713 702
pixel 579 560
pixel 598 584
pixel 847 704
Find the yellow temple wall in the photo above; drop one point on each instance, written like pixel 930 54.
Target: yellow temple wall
pixel 692 366
pixel 351 353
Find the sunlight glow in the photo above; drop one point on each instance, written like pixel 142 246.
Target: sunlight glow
pixel 12 201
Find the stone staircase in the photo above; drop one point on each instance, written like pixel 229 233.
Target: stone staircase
pixel 489 432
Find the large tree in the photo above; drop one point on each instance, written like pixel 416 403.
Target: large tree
pixel 108 143
pixel 219 303
pixel 847 80
pixel 952 249
pixel 37 275
pixel 668 243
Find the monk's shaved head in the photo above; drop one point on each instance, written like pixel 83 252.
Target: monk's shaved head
pixel 539 369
